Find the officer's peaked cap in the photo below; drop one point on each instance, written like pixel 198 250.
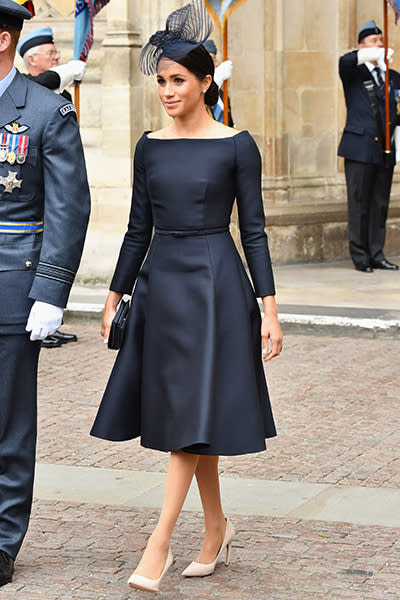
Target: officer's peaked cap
pixel 12 15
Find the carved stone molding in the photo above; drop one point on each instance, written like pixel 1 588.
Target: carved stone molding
pixel 54 8
pixel 122 39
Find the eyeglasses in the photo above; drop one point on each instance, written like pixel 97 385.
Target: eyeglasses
pixel 48 53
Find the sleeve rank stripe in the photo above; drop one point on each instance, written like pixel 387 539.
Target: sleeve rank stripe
pixel 54 272
pixel 56 267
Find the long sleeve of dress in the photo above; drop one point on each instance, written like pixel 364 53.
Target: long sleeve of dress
pixel 137 238
pixel 251 215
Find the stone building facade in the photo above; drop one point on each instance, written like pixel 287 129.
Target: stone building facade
pixel 285 90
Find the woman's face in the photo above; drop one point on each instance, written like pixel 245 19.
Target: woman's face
pixel 179 89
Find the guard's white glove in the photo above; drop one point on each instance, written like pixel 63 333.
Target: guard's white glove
pixel 222 72
pixel 43 320
pixel 396 139
pixel 374 54
pixel 381 62
pixel 74 70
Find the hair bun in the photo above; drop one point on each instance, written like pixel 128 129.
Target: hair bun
pixel 212 94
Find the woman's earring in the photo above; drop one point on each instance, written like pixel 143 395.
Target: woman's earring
pixel 204 91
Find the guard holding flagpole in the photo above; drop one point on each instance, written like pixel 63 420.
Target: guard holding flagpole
pixel 368 164
pixel 220 11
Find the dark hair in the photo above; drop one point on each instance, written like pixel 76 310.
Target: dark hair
pixel 200 63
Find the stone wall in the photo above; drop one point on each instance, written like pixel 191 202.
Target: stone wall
pixel 285 90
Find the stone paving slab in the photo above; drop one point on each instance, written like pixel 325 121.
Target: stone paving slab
pixel 334 284
pixel 77 551
pixel 241 496
pixel 335 402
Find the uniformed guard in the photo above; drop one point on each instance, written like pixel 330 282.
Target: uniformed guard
pixel 41 58
pixel 368 176
pixel 223 71
pixel 44 210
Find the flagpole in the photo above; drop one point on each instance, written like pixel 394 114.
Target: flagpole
pixel 77 99
pixel 77 90
pixel 386 44
pixel 225 84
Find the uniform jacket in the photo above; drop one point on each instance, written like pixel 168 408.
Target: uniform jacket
pixel 53 188
pixel 360 140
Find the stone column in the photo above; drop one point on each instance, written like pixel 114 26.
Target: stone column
pixel 110 161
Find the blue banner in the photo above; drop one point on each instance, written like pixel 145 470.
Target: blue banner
pixel 395 4
pixel 85 12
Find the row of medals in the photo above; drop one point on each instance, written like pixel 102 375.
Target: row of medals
pixel 11 157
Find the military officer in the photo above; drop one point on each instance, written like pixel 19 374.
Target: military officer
pixel 44 210
pixel 41 58
pixel 368 176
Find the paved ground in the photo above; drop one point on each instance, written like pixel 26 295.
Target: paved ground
pixel 336 406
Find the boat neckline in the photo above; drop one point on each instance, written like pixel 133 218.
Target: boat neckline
pixel 229 137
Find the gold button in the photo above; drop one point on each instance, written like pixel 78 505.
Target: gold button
pixel 377 139
pixel 28 264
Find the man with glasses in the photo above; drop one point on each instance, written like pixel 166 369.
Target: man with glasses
pixel 41 57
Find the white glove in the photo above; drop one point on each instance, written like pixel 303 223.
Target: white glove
pixel 74 70
pixel 43 320
pixel 370 55
pixel 396 139
pixel 381 62
pixel 374 54
pixel 222 72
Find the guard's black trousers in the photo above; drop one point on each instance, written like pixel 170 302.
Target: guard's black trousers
pixel 18 426
pixel 368 193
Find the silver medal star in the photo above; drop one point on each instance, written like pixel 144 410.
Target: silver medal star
pixel 11 182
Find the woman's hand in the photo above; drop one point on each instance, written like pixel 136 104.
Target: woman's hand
pixel 271 333
pixel 110 308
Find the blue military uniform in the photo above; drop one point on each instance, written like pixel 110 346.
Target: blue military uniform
pixel 44 211
pixel 361 140
pixel 368 179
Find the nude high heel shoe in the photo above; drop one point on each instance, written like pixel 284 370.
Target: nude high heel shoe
pixel 196 569
pixel 150 585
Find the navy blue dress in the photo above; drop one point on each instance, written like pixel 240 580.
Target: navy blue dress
pixel 190 375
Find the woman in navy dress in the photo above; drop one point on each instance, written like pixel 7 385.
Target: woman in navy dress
pixel 189 377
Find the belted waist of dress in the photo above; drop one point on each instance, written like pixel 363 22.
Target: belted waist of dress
pixel 191 232
pixel 21 226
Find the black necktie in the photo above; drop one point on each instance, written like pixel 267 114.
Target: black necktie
pixel 379 79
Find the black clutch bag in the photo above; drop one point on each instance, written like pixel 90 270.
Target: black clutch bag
pixel 117 331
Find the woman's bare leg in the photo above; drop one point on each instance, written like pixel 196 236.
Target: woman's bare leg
pixel 181 468
pixel 208 481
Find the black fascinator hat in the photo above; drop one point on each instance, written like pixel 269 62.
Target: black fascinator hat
pixel 185 29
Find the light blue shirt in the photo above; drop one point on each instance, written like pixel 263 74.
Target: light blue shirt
pixel 4 83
